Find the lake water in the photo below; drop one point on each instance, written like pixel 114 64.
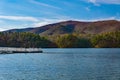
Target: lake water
pixel 62 64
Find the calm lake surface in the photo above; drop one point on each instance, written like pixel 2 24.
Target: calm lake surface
pixel 62 64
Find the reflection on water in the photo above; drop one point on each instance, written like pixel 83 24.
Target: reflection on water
pixel 62 64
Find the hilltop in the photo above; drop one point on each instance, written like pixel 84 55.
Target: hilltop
pixel 69 27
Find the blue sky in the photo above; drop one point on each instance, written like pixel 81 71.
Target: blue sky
pixel 35 13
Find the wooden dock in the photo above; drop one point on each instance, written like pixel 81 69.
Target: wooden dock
pixel 9 50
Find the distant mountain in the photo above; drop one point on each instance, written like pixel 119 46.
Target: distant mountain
pixel 20 30
pixel 74 27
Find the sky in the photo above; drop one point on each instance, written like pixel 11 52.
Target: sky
pixel 35 13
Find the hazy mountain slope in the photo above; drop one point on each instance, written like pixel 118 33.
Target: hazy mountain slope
pixel 74 27
pixel 83 27
pixel 20 30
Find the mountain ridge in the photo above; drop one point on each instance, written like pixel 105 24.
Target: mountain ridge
pixel 68 27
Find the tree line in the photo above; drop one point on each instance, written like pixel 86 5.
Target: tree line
pixel 107 40
pixel 25 39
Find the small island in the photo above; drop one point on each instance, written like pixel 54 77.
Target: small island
pixel 10 50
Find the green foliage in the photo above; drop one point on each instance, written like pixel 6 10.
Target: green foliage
pixel 24 40
pixel 107 40
pixel 104 40
pixel 71 41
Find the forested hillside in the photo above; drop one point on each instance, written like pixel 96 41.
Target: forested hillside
pixel 67 34
pixel 25 39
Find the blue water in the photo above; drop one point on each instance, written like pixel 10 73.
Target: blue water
pixel 62 64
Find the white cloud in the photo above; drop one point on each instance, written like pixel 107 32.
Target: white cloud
pixel 98 19
pixel 19 18
pixel 43 4
pixel 46 21
pixel 55 19
pixel 93 1
pixel 110 1
pixel 104 1
pixel 1 21
pixel 87 8
pixel 2 29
